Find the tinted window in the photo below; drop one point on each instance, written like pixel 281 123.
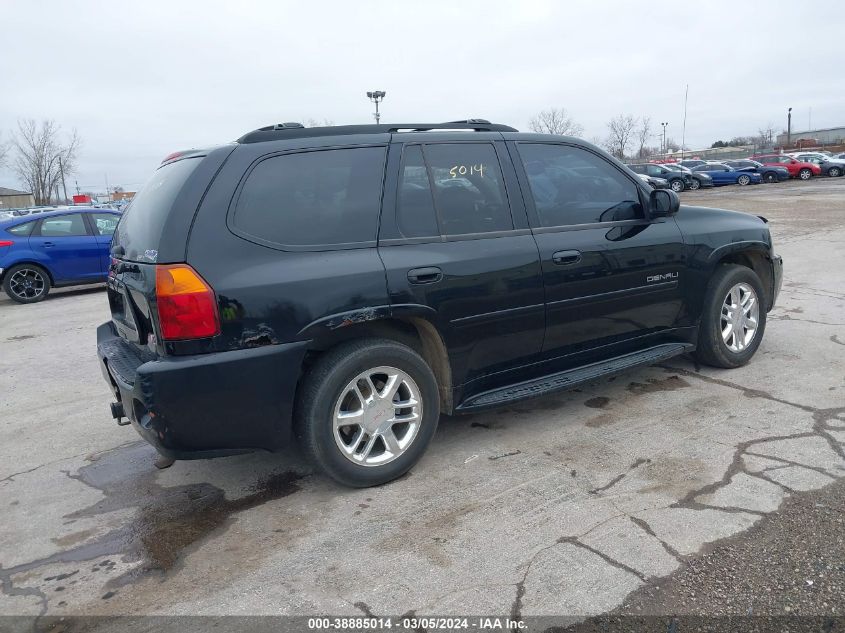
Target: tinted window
pixel 416 214
pixel 574 186
pixel 313 198
pixel 22 229
pixel 140 227
pixel 468 188
pixel 63 226
pixel 654 170
pixel 104 223
pixel 639 169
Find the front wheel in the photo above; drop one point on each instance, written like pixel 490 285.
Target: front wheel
pixel 805 174
pixel 367 411
pixel 770 177
pixel 834 172
pixel 733 318
pixel 677 185
pixel 695 184
pixel 26 283
pixel 743 180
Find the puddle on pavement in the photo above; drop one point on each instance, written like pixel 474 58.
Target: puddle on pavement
pixel 167 521
pixel 655 385
pixel 599 402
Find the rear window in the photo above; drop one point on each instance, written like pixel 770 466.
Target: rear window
pixel 141 225
pixel 313 199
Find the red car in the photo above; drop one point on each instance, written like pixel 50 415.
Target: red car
pixel 796 168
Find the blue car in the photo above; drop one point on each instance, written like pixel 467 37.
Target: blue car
pixel 724 175
pixel 66 247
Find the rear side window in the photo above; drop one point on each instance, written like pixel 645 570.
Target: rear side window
pixel 63 226
pixel 571 185
pixel 141 225
pixel 468 188
pixel 21 229
pixel 318 198
pixel 104 223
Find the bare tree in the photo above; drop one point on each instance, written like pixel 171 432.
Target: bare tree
pixel 766 135
pixel 672 145
pixel 40 155
pixel 555 121
pixel 620 129
pixel 4 151
pixel 643 134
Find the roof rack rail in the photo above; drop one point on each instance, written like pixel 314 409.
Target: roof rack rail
pixel 281 131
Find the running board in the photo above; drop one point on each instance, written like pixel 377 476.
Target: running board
pixel 572 377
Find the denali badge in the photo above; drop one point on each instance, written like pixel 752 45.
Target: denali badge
pixel 662 277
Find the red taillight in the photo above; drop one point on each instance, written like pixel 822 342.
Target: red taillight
pixel 186 305
pixel 6 243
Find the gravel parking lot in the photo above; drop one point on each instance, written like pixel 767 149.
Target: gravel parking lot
pixel 559 506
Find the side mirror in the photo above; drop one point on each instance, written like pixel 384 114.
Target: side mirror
pixel 793 161
pixel 663 202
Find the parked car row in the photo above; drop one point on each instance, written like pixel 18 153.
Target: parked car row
pixel 695 173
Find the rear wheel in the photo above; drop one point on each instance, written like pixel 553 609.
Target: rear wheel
pixel 805 174
pixel 770 176
pixel 367 411
pixel 677 185
pixel 695 184
pixel 743 180
pixel 733 319
pixel 26 283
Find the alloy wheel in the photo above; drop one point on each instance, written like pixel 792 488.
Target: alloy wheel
pixel 27 283
pixel 677 186
pixel 739 317
pixel 804 174
pixel 694 184
pixel 377 416
pixel 743 180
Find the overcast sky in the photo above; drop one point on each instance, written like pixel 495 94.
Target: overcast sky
pixel 141 79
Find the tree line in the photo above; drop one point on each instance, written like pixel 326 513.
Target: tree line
pixel 39 154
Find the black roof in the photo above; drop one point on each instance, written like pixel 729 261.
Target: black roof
pixel 282 131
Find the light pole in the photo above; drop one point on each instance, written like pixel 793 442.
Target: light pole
pixel 789 127
pixel 376 96
pixel 664 135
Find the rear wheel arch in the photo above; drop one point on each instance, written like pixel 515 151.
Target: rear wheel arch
pixel 30 262
pixel 415 332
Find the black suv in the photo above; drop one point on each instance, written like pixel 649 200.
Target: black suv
pixel 347 285
pixel 678 180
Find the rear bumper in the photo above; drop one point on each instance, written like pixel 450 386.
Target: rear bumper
pixel 206 405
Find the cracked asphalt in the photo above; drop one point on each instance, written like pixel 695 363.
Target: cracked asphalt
pixel 566 505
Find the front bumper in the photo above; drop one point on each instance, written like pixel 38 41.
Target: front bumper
pixel 205 405
pixel 777 278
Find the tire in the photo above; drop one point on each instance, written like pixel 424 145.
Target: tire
pixel 805 174
pixel 728 351
pixel 834 172
pixel 357 454
pixel 27 283
pixel 677 185
pixel 695 184
pixel 770 176
pixel 743 180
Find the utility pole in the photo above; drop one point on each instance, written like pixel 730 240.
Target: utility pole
pixel 77 187
pixel 108 196
pixel 789 127
pixel 664 136
pixel 376 96
pixel 684 132
pixel 62 171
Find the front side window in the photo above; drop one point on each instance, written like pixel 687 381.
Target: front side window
pixel 469 190
pixel 571 185
pixel 416 215
pixel 324 197
pixel 63 226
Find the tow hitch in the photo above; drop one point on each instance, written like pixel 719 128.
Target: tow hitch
pixel 118 413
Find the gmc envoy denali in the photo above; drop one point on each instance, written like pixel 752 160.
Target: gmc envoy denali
pixel 344 286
